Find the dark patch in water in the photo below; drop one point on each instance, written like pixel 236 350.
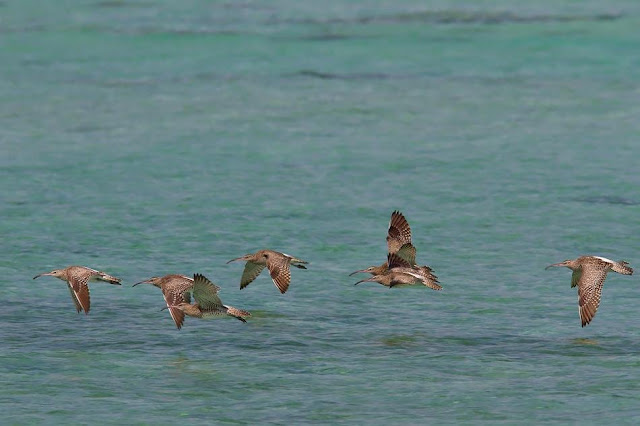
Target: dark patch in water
pixel 356 76
pixel 326 37
pixel 82 128
pixel 462 17
pixel 119 3
pixel 127 83
pixel 607 199
pixel 458 17
pixel 399 340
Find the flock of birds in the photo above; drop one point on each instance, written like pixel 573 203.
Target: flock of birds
pixel 400 270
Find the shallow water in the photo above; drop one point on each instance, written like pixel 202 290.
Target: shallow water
pixel 145 138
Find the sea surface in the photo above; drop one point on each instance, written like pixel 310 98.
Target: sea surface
pixel 151 137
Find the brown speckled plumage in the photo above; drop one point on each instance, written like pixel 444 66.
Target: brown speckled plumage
pixel 399 244
pixel 589 273
pixel 398 234
pixel 208 303
pixel 401 274
pixel 277 263
pixel 77 278
pixel 176 289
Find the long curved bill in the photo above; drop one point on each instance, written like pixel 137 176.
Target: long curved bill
pixel 42 275
pixel 551 266
pixel 363 281
pixel 141 282
pixel 355 272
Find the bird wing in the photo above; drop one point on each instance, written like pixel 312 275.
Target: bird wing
pixel 206 293
pixel 251 271
pixel 173 297
pixel 280 273
pixel 408 253
pixel 395 261
pixel 74 298
pixel 78 284
pixel 182 284
pixel 589 291
pixel 399 232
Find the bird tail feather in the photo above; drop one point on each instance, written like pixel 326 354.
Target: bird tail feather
pixel 108 278
pixel 622 268
pixel 238 313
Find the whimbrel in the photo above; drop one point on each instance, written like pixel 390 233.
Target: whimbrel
pixel 398 242
pixel 589 273
pixel 77 278
pixel 401 274
pixel 208 303
pixel 277 263
pixel 176 289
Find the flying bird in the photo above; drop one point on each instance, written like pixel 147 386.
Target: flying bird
pixel 401 274
pixel 277 263
pixel 589 273
pixel 208 303
pixel 77 278
pixel 176 289
pixel 399 244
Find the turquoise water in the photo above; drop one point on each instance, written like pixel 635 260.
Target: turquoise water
pixel 152 137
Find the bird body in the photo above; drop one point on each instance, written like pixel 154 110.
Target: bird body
pixel 77 278
pixel 208 303
pixel 589 273
pixel 277 263
pixel 401 274
pixel 176 289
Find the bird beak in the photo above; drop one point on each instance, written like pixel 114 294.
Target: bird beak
pixel 363 281
pixel 41 275
pixel 555 264
pixel 238 258
pixel 361 270
pixel 166 307
pixel 141 282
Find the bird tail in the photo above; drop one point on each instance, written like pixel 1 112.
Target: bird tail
pixel 108 278
pixel 433 284
pixel 622 268
pixel 238 313
pixel 298 263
